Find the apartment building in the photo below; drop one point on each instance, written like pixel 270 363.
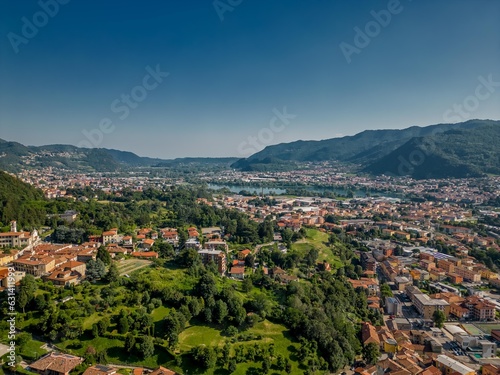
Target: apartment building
pixel 216 256
pixel 426 306
pixel 468 274
pixel 35 266
pixel 449 366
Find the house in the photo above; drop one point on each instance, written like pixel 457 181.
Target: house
pixel 148 243
pixel 55 364
pixel 238 272
pixel 100 370
pixel 5 275
pixel 449 365
pixel 17 239
pixel 69 216
pixel 243 254
pixel 162 371
pixel 68 273
pixel 127 241
pixel 110 236
pixel 490 369
pixel 369 334
pixel 113 250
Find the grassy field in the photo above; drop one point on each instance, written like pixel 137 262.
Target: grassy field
pixel 270 332
pixel 318 240
pixel 128 266
pixel 32 350
pixel 485 327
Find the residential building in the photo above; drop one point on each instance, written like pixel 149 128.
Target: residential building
pixel 468 274
pixel 369 334
pixel 426 306
pixel 162 371
pixel 216 256
pixel 55 364
pixel 100 370
pixel 490 369
pixel 449 366
pixel 36 266
pixel 67 274
pixel 18 239
pixel 238 272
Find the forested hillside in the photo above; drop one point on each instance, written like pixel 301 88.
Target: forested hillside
pixel 20 201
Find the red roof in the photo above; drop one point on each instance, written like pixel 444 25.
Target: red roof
pixel 238 270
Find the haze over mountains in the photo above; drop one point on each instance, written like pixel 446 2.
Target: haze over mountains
pixel 14 157
pixel 467 149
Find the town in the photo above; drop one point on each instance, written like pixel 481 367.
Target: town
pixel 422 263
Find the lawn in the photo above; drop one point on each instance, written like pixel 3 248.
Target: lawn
pixel 32 350
pixel 270 332
pixel 159 313
pixel 115 351
pixel 318 240
pixel 130 265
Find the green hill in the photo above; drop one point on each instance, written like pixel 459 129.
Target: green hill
pixel 15 157
pixel 20 201
pixel 363 148
pixel 456 153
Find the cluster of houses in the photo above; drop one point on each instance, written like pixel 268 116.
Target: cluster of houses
pixel 56 363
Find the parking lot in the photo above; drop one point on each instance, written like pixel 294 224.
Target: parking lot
pixel 453 347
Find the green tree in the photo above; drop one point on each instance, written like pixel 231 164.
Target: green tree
pixel 123 325
pixel 231 367
pixel 147 347
pixel 205 356
pixel 371 353
pixel 129 343
pixel 27 288
pixel 113 273
pixel 103 255
pixel 439 318
pixel 96 269
pixel 220 311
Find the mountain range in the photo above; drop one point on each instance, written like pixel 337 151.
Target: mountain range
pixel 467 149
pixel 15 156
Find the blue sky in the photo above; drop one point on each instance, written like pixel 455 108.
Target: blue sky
pixel 227 78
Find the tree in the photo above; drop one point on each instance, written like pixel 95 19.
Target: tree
pixel 439 318
pixel 220 311
pixel 27 288
pixel 147 347
pixel 123 325
pixel 113 273
pixel 103 255
pixel 205 356
pixel 371 353
pixel 231 367
pixel 22 339
pixel 129 343
pixel 96 269
pixel 246 285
